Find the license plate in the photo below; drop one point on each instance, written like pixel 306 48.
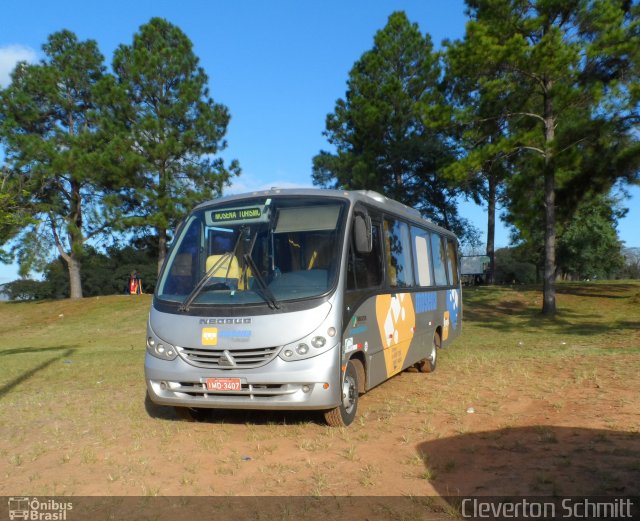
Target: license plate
pixel 223 384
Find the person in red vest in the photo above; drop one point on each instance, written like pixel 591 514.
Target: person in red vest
pixel 135 284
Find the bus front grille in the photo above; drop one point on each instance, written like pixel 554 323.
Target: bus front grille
pixel 227 358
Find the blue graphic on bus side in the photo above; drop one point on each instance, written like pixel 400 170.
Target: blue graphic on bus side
pixel 453 306
pixel 359 329
pixel 426 302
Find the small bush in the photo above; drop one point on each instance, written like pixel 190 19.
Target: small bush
pixel 26 289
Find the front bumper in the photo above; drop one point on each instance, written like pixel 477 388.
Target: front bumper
pixel 276 385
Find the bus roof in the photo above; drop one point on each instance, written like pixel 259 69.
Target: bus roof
pixel 369 197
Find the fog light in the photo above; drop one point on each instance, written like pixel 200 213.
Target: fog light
pixel 288 353
pixel 302 349
pixel 331 331
pixel 306 388
pixel 318 341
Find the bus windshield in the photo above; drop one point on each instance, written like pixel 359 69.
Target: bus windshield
pixel 267 250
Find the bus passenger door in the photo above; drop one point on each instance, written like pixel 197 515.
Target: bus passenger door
pixel 364 277
pixel 395 310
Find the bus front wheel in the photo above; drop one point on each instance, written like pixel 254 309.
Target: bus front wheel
pixel 428 365
pixel 345 413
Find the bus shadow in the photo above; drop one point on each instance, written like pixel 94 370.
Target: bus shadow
pixel 236 417
pixel 535 461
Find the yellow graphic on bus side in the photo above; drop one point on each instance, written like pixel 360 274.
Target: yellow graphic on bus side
pixel 445 325
pixel 396 322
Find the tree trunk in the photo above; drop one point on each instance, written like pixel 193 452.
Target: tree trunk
pixel 162 231
pixel 491 228
pixel 549 282
pixel 72 258
pixel 76 241
pixel 75 284
pixel 162 247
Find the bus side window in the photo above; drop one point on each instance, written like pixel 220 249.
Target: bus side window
pixel 398 253
pixel 365 270
pixel 452 262
pixel 439 258
pixel 421 260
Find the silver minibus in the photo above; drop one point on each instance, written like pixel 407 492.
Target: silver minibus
pixel 299 299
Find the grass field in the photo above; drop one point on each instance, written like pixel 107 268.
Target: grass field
pixel 555 410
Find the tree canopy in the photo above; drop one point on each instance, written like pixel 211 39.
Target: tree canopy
pixel 561 81
pixel 48 118
pixel 378 130
pixel 537 107
pixel 166 129
pixel 88 152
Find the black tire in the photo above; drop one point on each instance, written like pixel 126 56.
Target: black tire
pixel 345 413
pixel 428 365
pixel 189 414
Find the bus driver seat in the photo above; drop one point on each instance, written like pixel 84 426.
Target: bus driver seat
pixel 228 272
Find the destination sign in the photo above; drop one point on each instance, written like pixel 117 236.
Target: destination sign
pixel 239 214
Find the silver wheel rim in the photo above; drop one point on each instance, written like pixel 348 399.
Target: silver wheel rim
pixel 433 355
pixel 348 393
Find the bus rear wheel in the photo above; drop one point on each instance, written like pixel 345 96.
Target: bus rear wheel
pixel 428 365
pixel 345 413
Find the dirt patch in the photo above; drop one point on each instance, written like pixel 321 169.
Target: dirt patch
pixel 553 429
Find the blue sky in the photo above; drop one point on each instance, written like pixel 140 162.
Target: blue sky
pixel 279 66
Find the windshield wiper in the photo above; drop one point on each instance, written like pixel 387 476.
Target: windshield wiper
pixel 227 256
pixel 203 281
pixel 267 293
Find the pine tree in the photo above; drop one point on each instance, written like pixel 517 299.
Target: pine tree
pixel 167 130
pixel 382 141
pixel 48 126
pixel 563 75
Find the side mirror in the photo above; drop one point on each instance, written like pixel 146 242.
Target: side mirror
pixel 362 233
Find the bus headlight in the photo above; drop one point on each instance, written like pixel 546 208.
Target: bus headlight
pixel 158 347
pixel 302 348
pixel 318 341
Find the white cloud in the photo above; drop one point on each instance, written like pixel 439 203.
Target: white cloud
pixel 9 56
